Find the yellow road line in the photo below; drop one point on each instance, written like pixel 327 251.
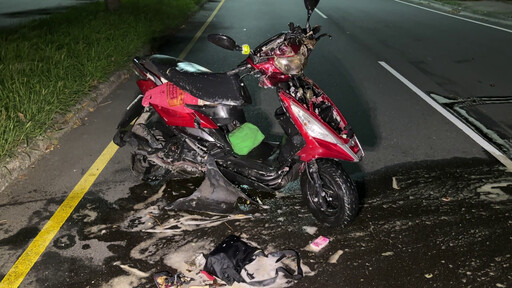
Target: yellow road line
pixel 20 269
pixel 200 32
pixel 23 265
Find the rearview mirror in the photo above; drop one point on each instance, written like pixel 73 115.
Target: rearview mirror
pixel 223 41
pixel 311 5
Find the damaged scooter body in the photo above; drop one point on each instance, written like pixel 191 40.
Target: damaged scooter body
pixel 215 194
pixel 198 128
pixel 162 107
pixel 186 121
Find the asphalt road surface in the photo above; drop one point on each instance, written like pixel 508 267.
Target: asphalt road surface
pixel 436 207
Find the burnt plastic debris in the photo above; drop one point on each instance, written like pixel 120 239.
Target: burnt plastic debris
pixel 227 260
pixel 231 262
pixel 163 280
pixel 166 280
pixel 216 194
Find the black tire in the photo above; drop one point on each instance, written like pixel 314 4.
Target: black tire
pixel 340 194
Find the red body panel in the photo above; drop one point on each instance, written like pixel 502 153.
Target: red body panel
pixel 145 85
pixel 273 76
pixel 169 101
pixel 318 148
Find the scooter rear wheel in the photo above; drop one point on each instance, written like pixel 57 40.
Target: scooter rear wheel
pixel 339 203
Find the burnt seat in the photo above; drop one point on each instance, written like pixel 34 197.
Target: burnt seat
pixel 218 88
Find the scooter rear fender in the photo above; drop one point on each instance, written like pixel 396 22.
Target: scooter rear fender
pixel 171 102
pixel 132 112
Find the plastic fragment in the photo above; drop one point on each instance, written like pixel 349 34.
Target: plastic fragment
pixel 395 184
pixel 166 280
pixel 310 230
pixel 163 280
pixel 334 257
pixel 207 275
pixel 319 243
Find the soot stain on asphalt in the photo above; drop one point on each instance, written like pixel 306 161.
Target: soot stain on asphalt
pixel 431 228
pixel 96 219
pixel 65 241
pixel 64 272
pixel 20 238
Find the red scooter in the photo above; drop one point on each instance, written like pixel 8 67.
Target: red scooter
pixel 190 121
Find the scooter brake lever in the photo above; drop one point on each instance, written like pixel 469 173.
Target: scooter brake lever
pixel 322 36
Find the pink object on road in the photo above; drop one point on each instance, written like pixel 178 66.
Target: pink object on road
pixel 319 243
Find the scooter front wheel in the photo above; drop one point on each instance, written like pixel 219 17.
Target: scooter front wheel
pixel 335 200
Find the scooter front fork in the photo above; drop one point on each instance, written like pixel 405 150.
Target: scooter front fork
pixel 314 176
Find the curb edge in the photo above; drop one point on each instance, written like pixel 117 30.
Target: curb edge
pixel 26 156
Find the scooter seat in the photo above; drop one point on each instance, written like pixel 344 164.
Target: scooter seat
pixel 217 88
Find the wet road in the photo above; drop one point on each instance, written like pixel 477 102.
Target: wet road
pixel 435 207
pixel 442 224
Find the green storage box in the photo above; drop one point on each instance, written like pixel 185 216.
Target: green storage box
pixel 245 138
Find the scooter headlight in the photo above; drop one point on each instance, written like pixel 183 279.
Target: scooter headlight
pixel 290 65
pixel 313 126
pixel 290 62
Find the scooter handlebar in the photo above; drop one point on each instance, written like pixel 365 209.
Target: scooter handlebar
pixel 240 68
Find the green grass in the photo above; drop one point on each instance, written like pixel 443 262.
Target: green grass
pixel 49 65
pixel 450 2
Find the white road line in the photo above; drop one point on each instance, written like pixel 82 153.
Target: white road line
pixel 321 14
pixel 477 138
pixel 454 16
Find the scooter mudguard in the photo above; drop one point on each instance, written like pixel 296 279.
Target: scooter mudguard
pixel 216 194
pixel 132 111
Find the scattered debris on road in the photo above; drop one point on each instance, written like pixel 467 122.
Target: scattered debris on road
pixel 334 257
pixel 395 184
pixel 311 230
pixel 318 244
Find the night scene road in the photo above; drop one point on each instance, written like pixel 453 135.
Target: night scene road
pixel 429 97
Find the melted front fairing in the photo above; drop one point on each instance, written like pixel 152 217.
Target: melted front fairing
pixel 348 148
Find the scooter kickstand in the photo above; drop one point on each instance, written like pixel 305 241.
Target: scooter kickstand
pixel 216 194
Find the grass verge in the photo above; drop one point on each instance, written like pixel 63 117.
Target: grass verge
pixel 47 66
pixel 451 2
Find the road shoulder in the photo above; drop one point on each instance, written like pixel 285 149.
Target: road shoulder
pixel 26 155
pixel 496 12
